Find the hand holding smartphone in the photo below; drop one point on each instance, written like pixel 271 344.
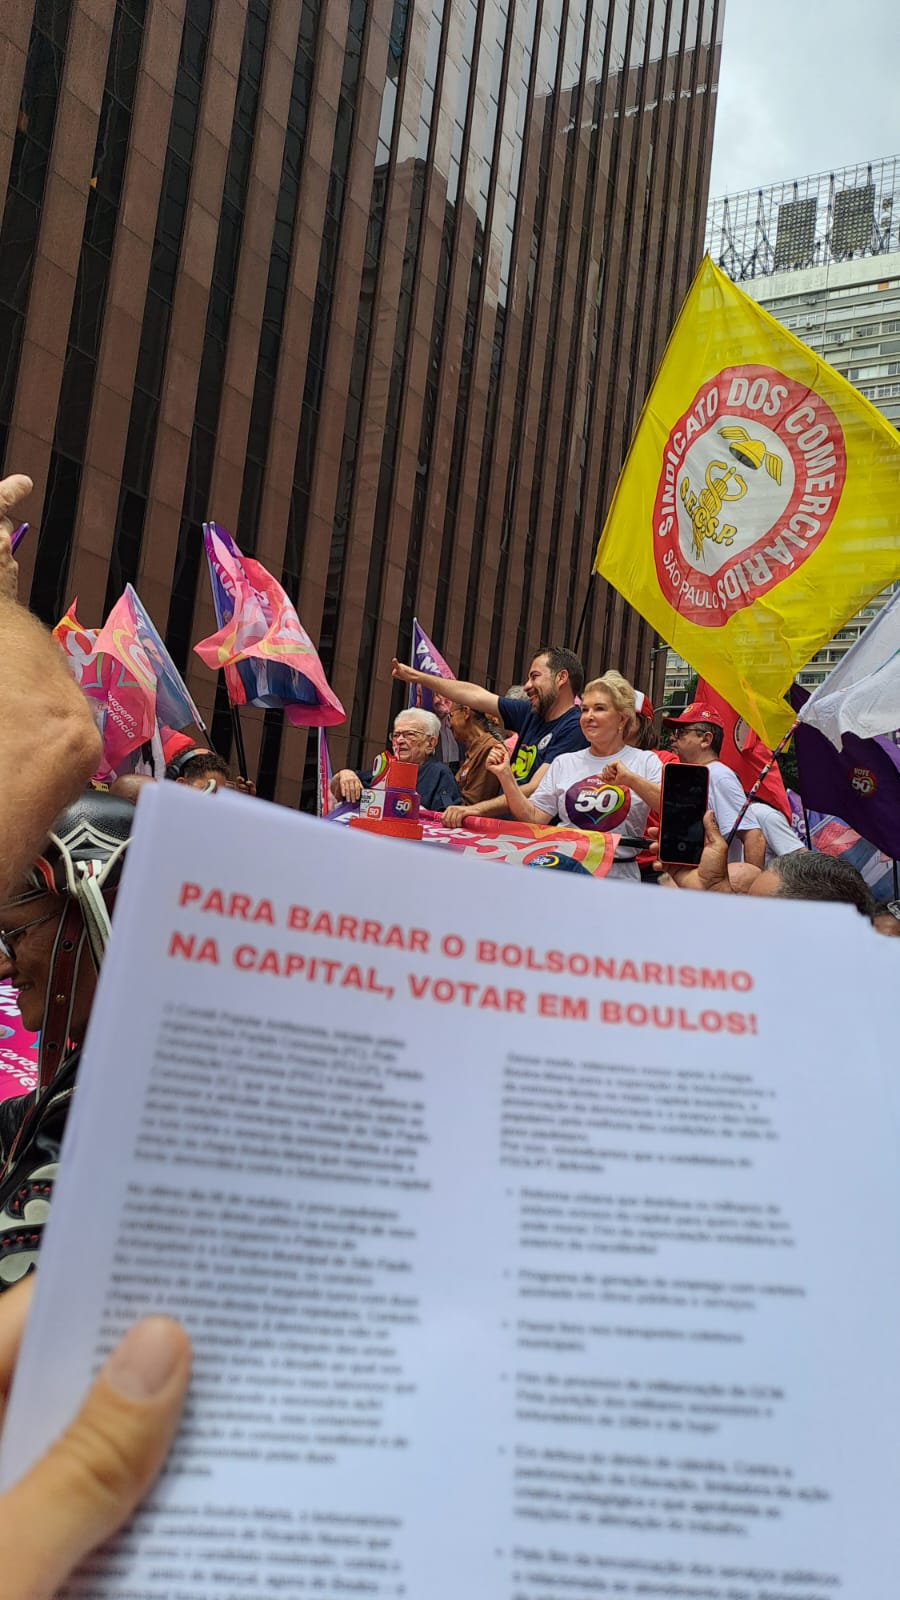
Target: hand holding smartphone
pixel 685 800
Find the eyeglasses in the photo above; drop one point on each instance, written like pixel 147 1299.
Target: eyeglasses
pixel 8 936
pixel 893 907
pixel 406 733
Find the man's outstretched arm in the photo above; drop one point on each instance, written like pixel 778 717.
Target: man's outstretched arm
pixel 49 745
pixel 462 694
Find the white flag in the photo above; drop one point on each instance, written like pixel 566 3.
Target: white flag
pixel 862 694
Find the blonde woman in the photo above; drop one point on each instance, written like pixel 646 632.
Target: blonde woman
pixel 611 787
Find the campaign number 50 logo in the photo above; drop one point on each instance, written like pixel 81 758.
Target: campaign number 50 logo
pixel 591 803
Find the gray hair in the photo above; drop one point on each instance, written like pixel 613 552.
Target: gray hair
pixel 426 721
pixel 808 875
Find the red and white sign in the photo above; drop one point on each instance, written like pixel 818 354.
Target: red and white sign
pixel 752 477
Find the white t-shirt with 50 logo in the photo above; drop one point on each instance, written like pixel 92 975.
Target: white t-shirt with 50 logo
pixel 572 791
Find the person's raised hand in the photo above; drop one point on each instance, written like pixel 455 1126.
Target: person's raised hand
pixel 403 673
pixel 616 772
pixel 14 491
pixel 497 761
pixel 711 872
pixel 95 1474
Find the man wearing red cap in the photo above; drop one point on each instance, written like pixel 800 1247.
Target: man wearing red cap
pixel 697 735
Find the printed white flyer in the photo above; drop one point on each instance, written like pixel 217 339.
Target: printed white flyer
pixel 538 1236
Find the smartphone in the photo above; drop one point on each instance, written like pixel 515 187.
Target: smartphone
pixel 685 798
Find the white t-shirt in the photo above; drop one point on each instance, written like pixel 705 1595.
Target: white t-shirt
pixel 726 797
pixel 570 791
pixel 726 801
pixel 780 837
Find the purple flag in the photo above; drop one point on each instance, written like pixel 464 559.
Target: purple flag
pixel 832 837
pixel 860 782
pixel 427 658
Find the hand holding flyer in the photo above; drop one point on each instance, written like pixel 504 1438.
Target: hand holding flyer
pixel 515 1262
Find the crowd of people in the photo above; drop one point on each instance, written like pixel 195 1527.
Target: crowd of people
pixel 572 745
pixel 555 750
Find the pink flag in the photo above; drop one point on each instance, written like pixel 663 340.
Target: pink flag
pixel 18 1049
pixel 266 654
pixel 119 678
pixel 324 776
pixel 76 642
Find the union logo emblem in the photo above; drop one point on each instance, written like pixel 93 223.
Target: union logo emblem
pixel 752 477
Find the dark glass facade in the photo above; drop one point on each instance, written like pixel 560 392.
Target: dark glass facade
pixel 380 286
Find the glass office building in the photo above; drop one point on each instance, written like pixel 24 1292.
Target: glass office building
pixel 380 285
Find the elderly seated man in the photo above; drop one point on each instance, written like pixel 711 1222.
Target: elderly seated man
pixel 414 739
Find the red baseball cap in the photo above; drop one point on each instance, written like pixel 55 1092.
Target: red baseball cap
pixel 642 705
pixel 698 712
pixel 178 744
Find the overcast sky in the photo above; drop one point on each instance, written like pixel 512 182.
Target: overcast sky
pixel 807 86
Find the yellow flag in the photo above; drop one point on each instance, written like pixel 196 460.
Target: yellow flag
pixel 759 505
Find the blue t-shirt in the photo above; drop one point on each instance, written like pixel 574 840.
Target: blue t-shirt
pixel 539 742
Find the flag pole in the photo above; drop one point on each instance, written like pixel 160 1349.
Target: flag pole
pixel 239 744
pixel 763 775
pixel 806 824
pixel 896 885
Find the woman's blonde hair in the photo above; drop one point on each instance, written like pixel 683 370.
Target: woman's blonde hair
pixel 621 693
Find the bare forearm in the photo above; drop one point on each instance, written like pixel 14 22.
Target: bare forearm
pixel 648 792
pixel 49 745
pixel 518 804
pixel 455 689
pixel 754 845
pixel 497 807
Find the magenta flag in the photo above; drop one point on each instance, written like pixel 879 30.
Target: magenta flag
pixel 18 1049
pixel 323 777
pixel 118 677
pixel 427 658
pixel 266 654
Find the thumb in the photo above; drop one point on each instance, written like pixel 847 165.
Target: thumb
pixel 13 490
pixel 91 1479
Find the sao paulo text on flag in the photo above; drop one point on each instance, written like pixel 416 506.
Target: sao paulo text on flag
pixel 759 505
pixel 861 694
pixel 267 656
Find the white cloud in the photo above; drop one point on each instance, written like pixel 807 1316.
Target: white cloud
pixel 806 86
